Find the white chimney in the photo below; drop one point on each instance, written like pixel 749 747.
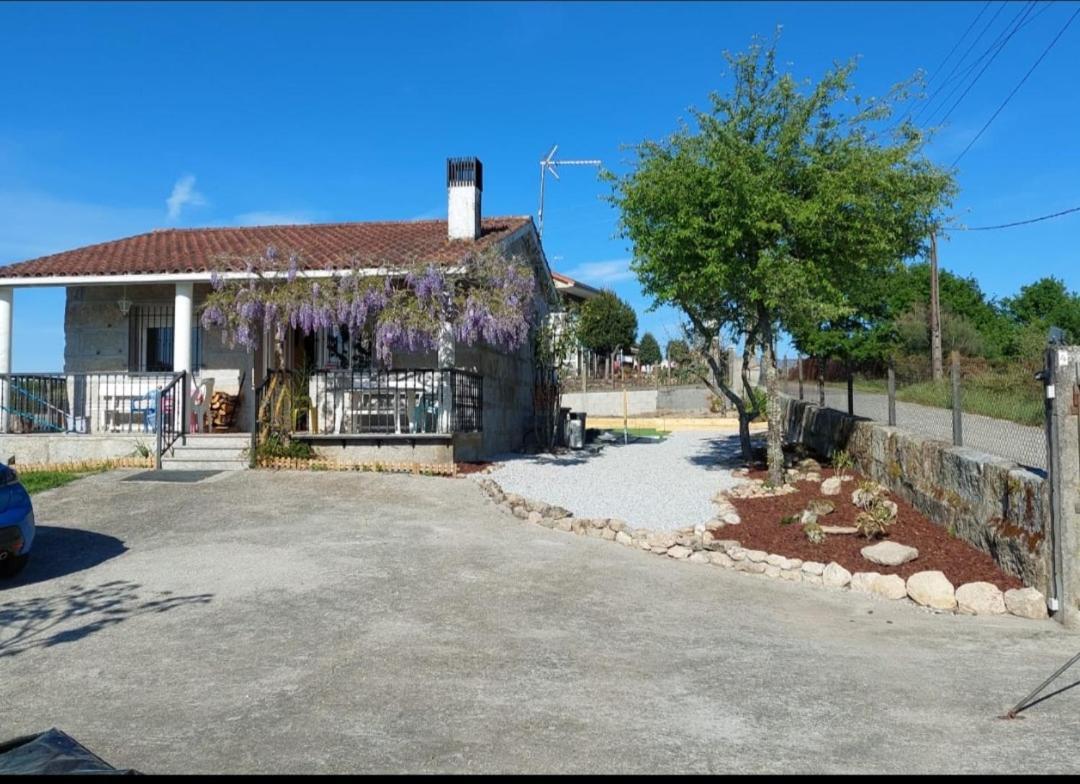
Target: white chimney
pixel 465 182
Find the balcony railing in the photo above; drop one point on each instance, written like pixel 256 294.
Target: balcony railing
pixel 372 402
pixel 91 403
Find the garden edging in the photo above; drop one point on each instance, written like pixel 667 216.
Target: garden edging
pixel 707 544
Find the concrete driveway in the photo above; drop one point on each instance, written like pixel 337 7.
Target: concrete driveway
pixel 285 622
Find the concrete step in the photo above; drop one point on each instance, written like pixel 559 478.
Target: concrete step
pixel 201 452
pixel 175 464
pixel 216 440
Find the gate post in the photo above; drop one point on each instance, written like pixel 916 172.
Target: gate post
pixel 1062 379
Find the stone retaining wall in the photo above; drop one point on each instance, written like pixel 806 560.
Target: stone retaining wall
pixel 990 502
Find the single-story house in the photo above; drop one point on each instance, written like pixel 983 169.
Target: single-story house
pixel 131 329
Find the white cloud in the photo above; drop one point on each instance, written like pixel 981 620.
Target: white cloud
pixel 183 194
pixel 270 218
pixel 601 272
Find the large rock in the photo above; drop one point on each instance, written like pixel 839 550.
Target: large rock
pixel 821 507
pixel 813 568
pixel 889 553
pixel 863 582
pixel 720 559
pixel 535 517
pixel 1026 602
pixel 980 598
pixel 756 556
pixel 679 552
pixel 839 530
pixel 931 589
pixel 891 586
pixel 835 576
pixel 624 538
pixel 831 486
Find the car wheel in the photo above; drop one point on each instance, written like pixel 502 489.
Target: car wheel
pixel 12 565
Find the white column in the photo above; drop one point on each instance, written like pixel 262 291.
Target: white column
pixel 182 327
pixel 446 360
pixel 7 308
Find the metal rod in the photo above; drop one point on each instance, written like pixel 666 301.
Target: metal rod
pixel 935 313
pixel 1023 704
pixel 957 403
pixel 799 363
pixel 850 392
pixel 158 418
pixel 892 395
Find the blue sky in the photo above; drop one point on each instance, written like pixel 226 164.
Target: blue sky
pixel 120 118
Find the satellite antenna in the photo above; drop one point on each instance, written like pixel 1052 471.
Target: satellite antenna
pixel 548 164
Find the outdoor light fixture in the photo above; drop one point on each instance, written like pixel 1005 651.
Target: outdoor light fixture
pixel 124 303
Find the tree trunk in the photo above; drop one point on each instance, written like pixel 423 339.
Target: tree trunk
pixel 775 438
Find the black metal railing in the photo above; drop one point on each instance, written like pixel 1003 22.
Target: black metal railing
pixel 113 402
pixel 170 414
pixel 365 401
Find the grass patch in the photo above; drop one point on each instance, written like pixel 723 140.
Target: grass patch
pixel 642 432
pixel 40 481
pixel 1013 395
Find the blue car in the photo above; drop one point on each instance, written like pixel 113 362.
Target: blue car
pixel 16 523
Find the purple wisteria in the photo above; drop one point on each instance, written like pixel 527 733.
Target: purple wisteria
pixel 488 300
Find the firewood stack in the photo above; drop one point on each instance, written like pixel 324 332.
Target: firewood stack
pixel 223 410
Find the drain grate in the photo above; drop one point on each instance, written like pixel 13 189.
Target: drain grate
pixel 171 476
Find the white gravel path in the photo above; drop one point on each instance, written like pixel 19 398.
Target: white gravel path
pixel 660 485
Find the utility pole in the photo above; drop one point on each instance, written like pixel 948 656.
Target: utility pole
pixel 936 368
pixel 548 164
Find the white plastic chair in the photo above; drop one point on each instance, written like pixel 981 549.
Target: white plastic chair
pixel 201 395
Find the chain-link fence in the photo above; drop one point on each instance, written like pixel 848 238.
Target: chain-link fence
pixel 1000 412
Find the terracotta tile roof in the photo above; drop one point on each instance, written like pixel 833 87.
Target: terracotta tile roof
pixel 323 246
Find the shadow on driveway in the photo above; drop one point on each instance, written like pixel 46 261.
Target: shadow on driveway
pixel 78 612
pixel 58 552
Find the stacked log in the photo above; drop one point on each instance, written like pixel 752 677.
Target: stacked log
pixel 223 410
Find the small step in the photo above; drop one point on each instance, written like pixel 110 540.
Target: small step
pixel 174 464
pixel 207 452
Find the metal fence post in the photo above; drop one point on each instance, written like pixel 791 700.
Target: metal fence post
pixel 798 363
pixel 158 422
pixel 957 403
pixel 892 395
pixel 821 383
pixel 850 392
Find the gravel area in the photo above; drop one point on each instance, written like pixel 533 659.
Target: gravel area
pixel 655 484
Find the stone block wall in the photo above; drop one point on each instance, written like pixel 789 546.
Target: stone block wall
pixel 990 502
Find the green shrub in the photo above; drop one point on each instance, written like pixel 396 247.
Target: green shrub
pixel 279 445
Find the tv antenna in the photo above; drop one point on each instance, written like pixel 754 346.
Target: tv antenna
pixel 549 164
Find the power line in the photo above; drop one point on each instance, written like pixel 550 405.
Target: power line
pixel 1014 223
pixel 1016 24
pixel 1019 84
pixel 963 57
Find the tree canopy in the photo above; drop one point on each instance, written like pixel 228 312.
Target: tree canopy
pixel 649 350
pixel 606 323
pixel 777 209
pixel 677 351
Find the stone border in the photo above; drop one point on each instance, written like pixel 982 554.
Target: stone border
pixel 703 544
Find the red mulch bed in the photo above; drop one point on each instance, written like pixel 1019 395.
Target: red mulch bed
pixel 464 469
pixel 761 530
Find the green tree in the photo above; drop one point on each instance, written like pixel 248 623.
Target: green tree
pixel 606 323
pixel 649 350
pixel 772 211
pixel 1043 304
pixel 677 351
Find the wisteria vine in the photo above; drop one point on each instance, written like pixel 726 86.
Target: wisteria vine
pixel 487 300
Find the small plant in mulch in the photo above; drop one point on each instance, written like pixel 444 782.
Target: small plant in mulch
pixel 876 519
pixel 842 463
pixel 814 533
pixel 789 519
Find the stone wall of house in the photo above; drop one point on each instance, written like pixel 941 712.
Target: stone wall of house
pixel 97 335
pixel 41 448
pixel 389 450
pixel 991 502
